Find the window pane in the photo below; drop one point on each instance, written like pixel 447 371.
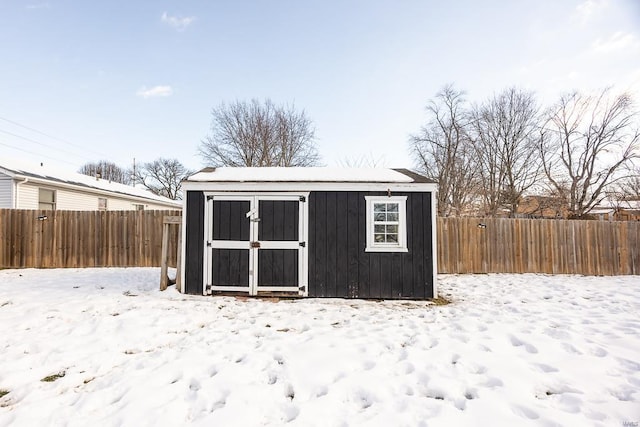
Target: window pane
pixel 379 207
pixel 46 196
pixel 392 207
pixel 392 238
pixel 392 229
pixel 392 217
pixel 379 238
pixel 379 229
pixel 379 217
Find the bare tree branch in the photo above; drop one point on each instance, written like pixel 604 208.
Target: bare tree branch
pixel 505 138
pixel 106 170
pixel 591 140
pixel 443 152
pixel 163 177
pixel 259 134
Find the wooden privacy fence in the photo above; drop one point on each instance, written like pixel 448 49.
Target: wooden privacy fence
pixel 499 245
pixel 43 239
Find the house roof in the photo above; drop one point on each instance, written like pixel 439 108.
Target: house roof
pixel 21 170
pixel 307 174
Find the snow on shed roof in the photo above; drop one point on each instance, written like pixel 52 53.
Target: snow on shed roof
pixel 306 174
pixel 45 172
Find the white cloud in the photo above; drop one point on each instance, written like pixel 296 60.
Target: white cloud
pixel 590 8
pixel 177 22
pixel 617 42
pixel 154 92
pixel 38 6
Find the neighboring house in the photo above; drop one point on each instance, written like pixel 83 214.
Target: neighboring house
pixel 318 232
pixel 542 207
pixel 24 186
pixel 620 210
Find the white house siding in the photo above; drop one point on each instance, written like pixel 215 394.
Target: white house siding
pixel 69 199
pixel 6 191
pixel 26 196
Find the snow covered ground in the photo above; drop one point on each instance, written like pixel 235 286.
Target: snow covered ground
pixel 511 350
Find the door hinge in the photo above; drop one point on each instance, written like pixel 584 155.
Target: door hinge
pixel 303 244
pixel 209 197
pixel 302 288
pixel 207 289
pixel 303 199
pixel 209 244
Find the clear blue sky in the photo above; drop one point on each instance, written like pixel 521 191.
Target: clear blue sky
pixel 122 79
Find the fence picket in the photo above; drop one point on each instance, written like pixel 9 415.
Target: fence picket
pixel 134 238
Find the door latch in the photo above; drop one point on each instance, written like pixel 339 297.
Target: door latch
pixel 255 244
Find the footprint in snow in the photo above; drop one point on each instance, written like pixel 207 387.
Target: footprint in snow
pixel 363 399
pixel 570 349
pixel 407 390
pixel 492 382
pixel 194 385
pixel 525 412
pixel 220 402
pixel 408 368
pixel 321 390
pixel 272 378
pixel 368 365
pixel 290 412
pixel 516 342
pixel 484 348
pixel 213 371
pixel 545 368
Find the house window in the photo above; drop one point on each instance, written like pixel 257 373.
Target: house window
pixel 46 199
pixel 138 207
pixel 386 224
pixel 102 204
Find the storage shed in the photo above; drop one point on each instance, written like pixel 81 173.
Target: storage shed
pixel 317 232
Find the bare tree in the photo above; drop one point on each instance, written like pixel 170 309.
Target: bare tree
pixel 506 138
pixel 629 187
pixel 259 134
pixel 106 170
pixel 163 177
pixel 442 150
pixel 590 140
pixel 363 161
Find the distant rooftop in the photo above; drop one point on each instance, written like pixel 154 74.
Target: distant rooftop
pixel 42 171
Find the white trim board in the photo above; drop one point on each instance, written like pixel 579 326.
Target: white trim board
pixel 297 187
pixel 253 287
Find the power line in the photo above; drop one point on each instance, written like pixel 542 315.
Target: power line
pixel 52 137
pixel 37 154
pixel 43 144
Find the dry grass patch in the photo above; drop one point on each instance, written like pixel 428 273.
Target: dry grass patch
pixel 54 377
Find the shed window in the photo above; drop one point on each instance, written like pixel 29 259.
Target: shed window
pixel 138 207
pixel 46 199
pixel 102 203
pixel 386 224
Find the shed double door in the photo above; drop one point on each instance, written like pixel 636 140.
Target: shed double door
pixel 256 244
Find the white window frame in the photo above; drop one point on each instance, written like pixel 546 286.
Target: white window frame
pixel 105 206
pixel 372 245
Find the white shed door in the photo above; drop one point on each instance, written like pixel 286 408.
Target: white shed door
pixel 256 243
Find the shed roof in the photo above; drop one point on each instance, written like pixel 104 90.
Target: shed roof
pixel 307 174
pixel 21 169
